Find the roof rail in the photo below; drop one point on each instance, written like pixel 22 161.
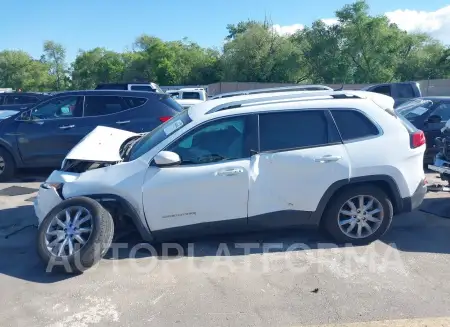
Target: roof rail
pixel 298 87
pixel 297 96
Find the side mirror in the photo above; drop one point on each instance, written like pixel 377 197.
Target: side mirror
pixel 167 159
pixel 433 119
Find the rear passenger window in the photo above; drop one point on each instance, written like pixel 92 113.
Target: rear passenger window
pixel 290 130
pixel 353 124
pixel 134 102
pixel 191 95
pixel 103 105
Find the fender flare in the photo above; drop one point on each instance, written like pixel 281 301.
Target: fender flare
pixel 129 210
pixel 394 193
pixel 14 154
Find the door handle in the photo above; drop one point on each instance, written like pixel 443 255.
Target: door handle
pixel 327 158
pixel 122 122
pixel 66 126
pixel 230 172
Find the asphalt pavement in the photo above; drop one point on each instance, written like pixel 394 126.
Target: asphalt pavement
pixel 289 278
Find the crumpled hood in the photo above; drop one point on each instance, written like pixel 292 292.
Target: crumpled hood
pixel 102 144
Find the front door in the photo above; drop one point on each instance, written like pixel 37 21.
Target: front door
pixel 301 156
pixel 210 187
pixel 50 130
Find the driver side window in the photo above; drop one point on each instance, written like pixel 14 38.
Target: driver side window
pixel 61 107
pixel 224 139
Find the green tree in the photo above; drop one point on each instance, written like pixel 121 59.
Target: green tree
pixel 55 56
pixel 323 57
pixel 97 66
pixel 19 70
pixel 261 55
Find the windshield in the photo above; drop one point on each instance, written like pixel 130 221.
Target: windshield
pixel 414 108
pixel 159 134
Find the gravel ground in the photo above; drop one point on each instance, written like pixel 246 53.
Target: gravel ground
pixel 291 278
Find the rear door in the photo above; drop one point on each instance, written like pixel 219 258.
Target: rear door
pixel 300 157
pixel 50 130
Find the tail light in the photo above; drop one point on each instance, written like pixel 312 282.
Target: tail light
pixel 417 139
pixel 164 118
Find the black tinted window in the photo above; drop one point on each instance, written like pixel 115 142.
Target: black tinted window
pixel 289 130
pixel 384 89
pixel 353 124
pixel 405 91
pixel 220 140
pixel 111 87
pixel 191 95
pixel 2 99
pixel 103 105
pixel 134 102
pixel 142 88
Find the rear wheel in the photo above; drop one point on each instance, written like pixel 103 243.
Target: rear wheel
pixel 359 215
pixel 7 166
pixel 75 235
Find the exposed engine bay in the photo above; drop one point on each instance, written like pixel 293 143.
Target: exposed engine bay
pixel 81 165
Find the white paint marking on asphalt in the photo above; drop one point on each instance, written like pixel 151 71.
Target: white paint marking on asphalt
pixel 158 298
pixel 421 322
pixel 93 311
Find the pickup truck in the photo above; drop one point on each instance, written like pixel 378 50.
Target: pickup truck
pixel 187 97
pixel 401 92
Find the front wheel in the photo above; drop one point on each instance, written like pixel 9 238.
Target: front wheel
pixel 359 215
pixel 75 235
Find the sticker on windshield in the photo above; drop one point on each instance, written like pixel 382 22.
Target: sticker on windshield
pixel 173 127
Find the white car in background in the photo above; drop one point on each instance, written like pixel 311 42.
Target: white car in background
pixel 188 97
pixel 342 160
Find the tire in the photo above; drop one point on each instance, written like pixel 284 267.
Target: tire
pixel 9 165
pixel 332 215
pixel 96 243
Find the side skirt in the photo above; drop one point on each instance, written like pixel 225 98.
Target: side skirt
pixel 273 220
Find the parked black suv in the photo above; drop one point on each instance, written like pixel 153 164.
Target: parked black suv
pixel 43 135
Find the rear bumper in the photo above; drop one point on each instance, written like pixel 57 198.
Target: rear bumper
pixel 412 202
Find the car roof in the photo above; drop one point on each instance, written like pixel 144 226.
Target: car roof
pixel 274 89
pixel 215 105
pixel 39 94
pixel 110 92
pixel 127 83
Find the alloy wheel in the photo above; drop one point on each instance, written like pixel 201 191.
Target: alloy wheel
pixel 69 231
pixel 360 216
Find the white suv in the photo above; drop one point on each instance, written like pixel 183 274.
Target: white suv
pixel 342 160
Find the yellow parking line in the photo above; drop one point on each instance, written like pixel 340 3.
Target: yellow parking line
pixel 423 322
